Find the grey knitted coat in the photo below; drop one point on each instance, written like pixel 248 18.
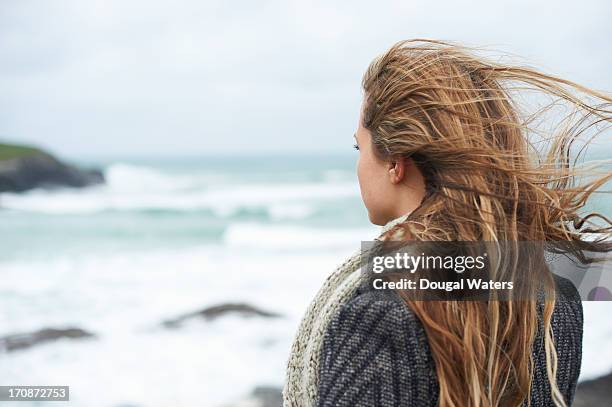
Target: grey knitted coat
pixel 375 353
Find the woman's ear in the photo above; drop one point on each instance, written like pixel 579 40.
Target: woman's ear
pixel 397 170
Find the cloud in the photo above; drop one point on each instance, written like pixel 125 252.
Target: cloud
pixel 142 77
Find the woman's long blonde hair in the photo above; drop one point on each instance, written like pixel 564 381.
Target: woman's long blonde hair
pixel 490 178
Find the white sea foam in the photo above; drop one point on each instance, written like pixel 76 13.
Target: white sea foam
pixel 132 188
pixel 291 210
pixel 254 235
pixel 132 178
pixel 122 291
pixel 124 297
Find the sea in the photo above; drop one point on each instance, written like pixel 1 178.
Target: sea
pixel 165 237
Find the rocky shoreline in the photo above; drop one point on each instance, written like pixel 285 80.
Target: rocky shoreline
pixel 23 168
pixel 221 310
pixel 596 392
pixel 21 341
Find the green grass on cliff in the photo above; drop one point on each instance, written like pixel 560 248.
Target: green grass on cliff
pixel 8 151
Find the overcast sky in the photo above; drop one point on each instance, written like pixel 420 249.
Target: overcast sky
pixel 143 77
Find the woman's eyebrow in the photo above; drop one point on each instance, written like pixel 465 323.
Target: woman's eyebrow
pixel 355 136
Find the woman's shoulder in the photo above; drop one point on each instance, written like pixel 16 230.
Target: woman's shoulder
pixel 567 294
pixel 375 343
pixel 366 349
pixel 568 313
pixel 377 312
pixel 384 314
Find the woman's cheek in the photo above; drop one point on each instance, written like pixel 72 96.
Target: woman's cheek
pixel 366 184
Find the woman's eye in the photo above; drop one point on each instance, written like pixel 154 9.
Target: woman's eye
pixel 355 146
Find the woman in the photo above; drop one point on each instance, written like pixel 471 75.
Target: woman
pixel 446 155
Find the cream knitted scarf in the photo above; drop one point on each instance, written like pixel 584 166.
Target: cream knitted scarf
pixel 302 381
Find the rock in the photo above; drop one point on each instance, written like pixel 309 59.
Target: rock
pixel 262 396
pixel 594 393
pixel 20 341
pixel 268 396
pixel 32 168
pixel 210 313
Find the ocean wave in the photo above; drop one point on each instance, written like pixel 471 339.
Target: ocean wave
pixel 280 237
pixel 131 178
pixel 111 296
pixel 137 188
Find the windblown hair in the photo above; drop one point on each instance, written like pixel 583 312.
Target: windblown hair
pixel 489 178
